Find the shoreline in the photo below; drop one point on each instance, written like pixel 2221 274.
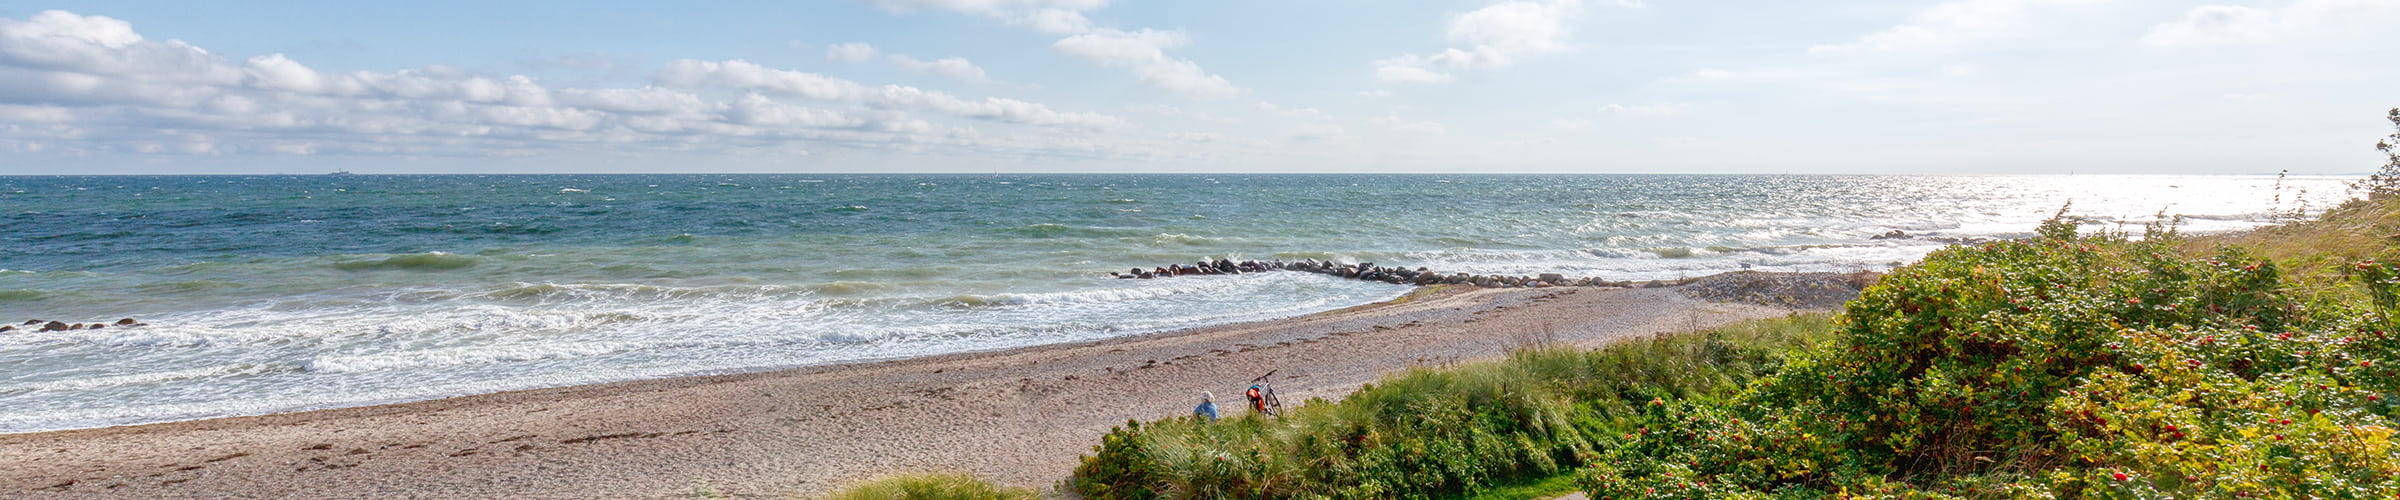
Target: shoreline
pixel 1018 415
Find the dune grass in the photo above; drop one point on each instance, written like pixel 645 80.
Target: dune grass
pixel 931 486
pixel 1439 431
pixel 2062 366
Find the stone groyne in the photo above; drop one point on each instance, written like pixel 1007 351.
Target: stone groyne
pixel 1368 271
pixel 38 325
pixel 1801 290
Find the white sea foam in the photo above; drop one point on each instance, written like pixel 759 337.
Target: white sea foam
pixel 441 358
pixel 107 381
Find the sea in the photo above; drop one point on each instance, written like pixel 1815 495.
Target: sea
pixel 264 294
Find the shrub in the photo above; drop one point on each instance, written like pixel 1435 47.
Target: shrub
pixel 2064 365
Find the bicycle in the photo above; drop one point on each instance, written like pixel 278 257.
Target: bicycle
pixel 1262 396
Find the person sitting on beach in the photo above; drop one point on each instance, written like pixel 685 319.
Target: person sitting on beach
pixel 1258 403
pixel 1208 408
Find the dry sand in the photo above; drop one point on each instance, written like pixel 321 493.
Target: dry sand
pixel 1019 416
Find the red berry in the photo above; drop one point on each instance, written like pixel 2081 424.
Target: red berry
pixel 2120 476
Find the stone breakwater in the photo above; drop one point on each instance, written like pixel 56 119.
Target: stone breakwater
pixel 1796 290
pixel 1368 271
pixel 37 325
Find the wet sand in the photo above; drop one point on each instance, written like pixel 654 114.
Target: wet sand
pixel 1019 416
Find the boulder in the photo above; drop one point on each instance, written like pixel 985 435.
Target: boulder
pixel 54 326
pixel 7 328
pixel 32 322
pixel 1553 277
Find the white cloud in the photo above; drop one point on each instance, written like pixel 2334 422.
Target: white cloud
pixel 1571 123
pixel 1141 51
pixel 645 100
pixel 1056 21
pixel 1320 132
pixel 2224 25
pixel 1377 93
pixel 10 113
pixel 1144 52
pixel 754 109
pixel 1662 109
pixel 1056 17
pixel 100 45
pixel 1501 33
pixel 988 6
pixel 1196 136
pixel 1409 70
pixel 747 75
pixel 1307 114
pixel 850 52
pixel 89 83
pixel 1949 24
pixel 1493 37
pixel 1394 122
pixel 953 67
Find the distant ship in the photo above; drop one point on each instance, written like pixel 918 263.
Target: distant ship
pixel 339 173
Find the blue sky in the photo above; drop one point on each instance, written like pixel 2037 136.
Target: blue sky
pixel 1599 86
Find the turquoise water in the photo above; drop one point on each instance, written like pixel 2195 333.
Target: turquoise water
pixel 278 293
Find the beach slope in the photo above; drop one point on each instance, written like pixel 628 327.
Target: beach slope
pixel 1018 416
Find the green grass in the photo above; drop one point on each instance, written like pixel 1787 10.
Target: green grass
pixel 1549 487
pixel 2063 366
pixel 1446 432
pixel 931 486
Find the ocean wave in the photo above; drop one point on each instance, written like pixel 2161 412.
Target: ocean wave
pixel 902 272
pixel 189 286
pixel 1179 239
pixel 429 261
pixel 460 356
pixel 1064 231
pixel 1074 297
pixel 218 371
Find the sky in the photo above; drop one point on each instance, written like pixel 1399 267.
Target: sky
pixel 994 86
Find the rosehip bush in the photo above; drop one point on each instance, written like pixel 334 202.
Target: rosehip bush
pixel 2063 365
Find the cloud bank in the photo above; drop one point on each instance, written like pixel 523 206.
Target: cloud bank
pixel 71 82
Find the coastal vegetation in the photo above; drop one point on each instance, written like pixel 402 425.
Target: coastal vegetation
pixel 2067 364
pixel 931 486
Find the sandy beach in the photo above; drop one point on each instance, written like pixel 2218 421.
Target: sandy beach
pixel 1018 416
